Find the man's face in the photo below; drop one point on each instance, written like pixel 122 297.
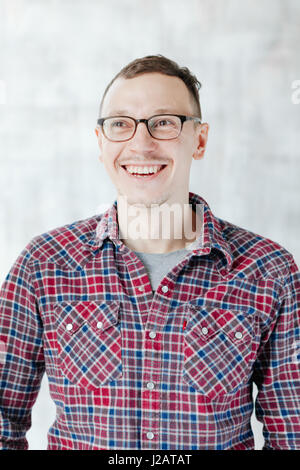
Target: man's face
pixel 143 97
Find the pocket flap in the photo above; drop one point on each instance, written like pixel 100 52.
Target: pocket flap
pixel 71 315
pixel 208 322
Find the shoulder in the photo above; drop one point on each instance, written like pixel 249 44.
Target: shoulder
pixel 254 254
pixel 61 243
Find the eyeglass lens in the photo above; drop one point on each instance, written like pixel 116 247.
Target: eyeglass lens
pixel 160 127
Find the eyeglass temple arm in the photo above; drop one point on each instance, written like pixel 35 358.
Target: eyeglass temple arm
pixel 189 118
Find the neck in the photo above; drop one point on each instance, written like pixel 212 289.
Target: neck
pixel 159 228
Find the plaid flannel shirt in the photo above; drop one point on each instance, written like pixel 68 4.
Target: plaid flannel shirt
pixel 131 370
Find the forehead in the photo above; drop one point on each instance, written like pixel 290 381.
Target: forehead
pixel 147 93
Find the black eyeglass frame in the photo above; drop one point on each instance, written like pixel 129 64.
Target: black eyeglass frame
pixel 182 118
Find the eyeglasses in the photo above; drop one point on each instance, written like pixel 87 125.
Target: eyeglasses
pixel 160 126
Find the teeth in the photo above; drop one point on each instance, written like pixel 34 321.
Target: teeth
pixel 143 170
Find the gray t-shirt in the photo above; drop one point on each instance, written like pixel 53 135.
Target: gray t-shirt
pixel 159 264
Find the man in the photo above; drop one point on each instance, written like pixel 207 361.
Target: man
pixel 152 341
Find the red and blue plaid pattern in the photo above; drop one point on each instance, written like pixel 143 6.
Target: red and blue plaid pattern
pixel 131 370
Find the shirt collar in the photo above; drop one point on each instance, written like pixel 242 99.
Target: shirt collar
pixel 211 237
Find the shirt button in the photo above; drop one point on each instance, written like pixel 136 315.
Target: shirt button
pixel 69 326
pixel 152 334
pixel 150 435
pixel 99 324
pixel 204 330
pixel 238 335
pixel 165 289
pixel 150 385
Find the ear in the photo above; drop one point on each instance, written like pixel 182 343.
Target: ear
pixel 201 139
pixel 99 139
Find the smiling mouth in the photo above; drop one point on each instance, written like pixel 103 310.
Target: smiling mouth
pixel 145 173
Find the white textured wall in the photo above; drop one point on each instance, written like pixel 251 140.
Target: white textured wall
pixel 56 58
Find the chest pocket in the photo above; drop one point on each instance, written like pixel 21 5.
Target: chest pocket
pixel 217 350
pixel 89 342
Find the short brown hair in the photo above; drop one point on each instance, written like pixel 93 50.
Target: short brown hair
pixel 159 63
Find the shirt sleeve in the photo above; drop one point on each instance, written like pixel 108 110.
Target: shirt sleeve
pixel 21 354
pixel 277 372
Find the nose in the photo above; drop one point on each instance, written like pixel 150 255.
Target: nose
pixel 142 137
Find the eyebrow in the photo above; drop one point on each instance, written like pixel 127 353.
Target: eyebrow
pixel 124 112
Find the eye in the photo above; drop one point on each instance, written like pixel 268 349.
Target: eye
pixel 119 124
pixel 162 123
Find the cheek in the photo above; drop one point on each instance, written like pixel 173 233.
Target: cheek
pixel 185 154
pixel 110 156
pixel 182 159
